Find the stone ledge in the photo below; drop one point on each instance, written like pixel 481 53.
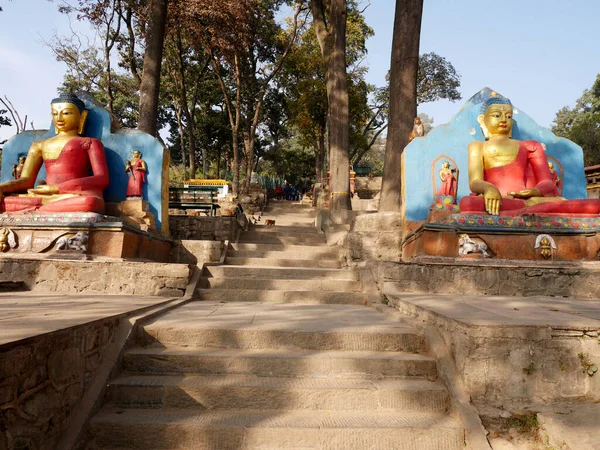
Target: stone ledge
pixel 510 367
pixel 492 277
pixel 96 277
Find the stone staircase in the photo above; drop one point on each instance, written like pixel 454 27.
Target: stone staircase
pixel 281 353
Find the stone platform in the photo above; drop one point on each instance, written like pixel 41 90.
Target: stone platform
pixel 107 236
pixel 516 356
pixel 514 238
pixel 56 352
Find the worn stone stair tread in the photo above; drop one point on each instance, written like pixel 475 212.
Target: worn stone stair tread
pixel 217 352
pixel 281 296
pixel 251 237
pixel 253 381
pixel 278 419
pixel 272 336
pixel 288 229
pixel 302 253
pixel 281 273
pixel 282 393
pixel 270 284
pixel 249 261
pixel 296 248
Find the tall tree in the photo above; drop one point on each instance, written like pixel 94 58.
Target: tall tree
pixel 403 96
pixel 3 119
pixel 437 79
pixel 150 86
pixel 329 21
pixel 581 124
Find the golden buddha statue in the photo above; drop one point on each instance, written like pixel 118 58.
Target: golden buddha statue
pixel 76 170
pixel 512 177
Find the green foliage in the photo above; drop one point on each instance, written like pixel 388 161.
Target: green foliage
pixel 292 160
pixel 529 369
pixel 581 124
pixel 3 119
pixel 437 79
pixel 588 366
pixel 525 422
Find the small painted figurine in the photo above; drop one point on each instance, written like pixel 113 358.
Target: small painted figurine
pixel 18 168
pixel 468 245
pixel 448 178
pixel 417 131
pixel 137 174
pixel 555 176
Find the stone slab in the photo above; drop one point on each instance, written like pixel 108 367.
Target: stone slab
pixel 572 426
pixel 501 311
pixel 27 314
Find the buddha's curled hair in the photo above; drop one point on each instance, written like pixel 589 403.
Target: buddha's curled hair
pixel 68 97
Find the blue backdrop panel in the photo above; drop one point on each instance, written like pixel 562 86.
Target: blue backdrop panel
pixel 118 145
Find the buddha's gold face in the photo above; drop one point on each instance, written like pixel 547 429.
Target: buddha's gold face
pixel 498 119
pixel 66 117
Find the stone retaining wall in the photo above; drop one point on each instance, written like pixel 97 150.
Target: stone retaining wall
pixel 43 378
pixel 95 277
pixel 508 368
pixel 196 252
pixel 485 277
pixel 219 228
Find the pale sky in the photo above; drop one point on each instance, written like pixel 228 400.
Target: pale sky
pixel 541 54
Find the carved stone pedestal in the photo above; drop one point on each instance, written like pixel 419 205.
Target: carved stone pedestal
pixel 70 235
pixel 536 238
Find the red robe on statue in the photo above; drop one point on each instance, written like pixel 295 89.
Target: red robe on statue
pixel 529 170
pixel 70 172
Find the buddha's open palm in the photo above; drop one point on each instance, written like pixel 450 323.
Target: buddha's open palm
pixel 45 189
pixel 493 200
pixel 526 193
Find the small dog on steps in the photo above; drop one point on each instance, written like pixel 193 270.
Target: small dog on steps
pixel 269 222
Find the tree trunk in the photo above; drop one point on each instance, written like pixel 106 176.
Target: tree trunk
pixel 150 86
pixel 333 49
pixel 403 97
pixel 320 166
pixel 236 161
pixel 181 138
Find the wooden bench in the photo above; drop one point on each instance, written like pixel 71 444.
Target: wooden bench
pixel 194 197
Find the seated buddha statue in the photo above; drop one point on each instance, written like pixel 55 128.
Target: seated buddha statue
pixel 76 169
pixel 511 178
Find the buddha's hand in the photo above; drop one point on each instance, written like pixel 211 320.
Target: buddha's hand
pixel 493 200
pixel 45 189
pixel 526 193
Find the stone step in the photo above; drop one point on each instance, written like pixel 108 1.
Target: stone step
pixel 252 392
pixel 299 297
pixel 279 363
pixel 280 273
pixel 268 238
pixel 281 285
pixel 296 230
pixel 273 262
pixel 267 250
pixel 114 427
pixel 402 339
